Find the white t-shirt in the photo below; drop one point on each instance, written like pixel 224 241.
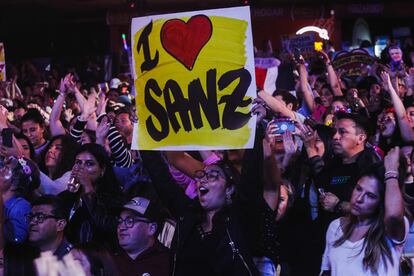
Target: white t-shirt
pixel 346 259
pixel 54 187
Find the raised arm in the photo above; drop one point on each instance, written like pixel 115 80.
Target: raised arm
pixel 332 77
pixel 172 196
pixel 73 88
pixel 120 153
pixel 271 171
pixel 251 180
pixel 91 101
pixel 394 202
pixel 407 132
pixel 184 162
pixel 15 92
pixel 304 87
pixel 309 137
pixel 277 105
pixel 87 112
pixel 56 127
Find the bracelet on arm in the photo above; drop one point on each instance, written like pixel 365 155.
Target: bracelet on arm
pixel 391 177
pixel 390 172
pixel 328 63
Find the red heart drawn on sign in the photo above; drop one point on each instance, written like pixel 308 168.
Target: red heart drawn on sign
pixel 184 41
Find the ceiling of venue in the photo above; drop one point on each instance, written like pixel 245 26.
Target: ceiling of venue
pixel 108 4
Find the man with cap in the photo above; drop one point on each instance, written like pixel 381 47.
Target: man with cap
pixel 138 226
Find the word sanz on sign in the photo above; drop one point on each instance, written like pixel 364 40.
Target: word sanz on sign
pixel 193 77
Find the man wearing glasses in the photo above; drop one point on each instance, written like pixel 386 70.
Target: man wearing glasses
pixel 138 226
pixel 47 221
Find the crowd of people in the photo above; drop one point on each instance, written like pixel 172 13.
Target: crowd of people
pixel 328 188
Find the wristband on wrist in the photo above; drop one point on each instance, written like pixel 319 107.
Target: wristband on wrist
pixel 328 63
pixel 391 177
pixel 390 172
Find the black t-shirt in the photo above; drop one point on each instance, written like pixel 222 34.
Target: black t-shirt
pixel 340 180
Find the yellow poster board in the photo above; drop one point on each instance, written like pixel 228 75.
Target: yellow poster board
pixel 194 80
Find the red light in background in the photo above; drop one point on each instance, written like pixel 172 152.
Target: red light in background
pixel 132 5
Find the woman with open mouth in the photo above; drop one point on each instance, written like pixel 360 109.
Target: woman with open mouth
pixel 215 233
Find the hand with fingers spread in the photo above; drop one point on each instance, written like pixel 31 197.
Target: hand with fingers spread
pixel 386 80
pixel 324 56
pixel 88 107
pixel 102 102
pixel 289 143
pixel 102 131
pixel 259 109
pixel 309 138
pixel 71 84
pixel 64 84
pixel 289 146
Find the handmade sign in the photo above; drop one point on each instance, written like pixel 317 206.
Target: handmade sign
pixel 194 80
pixel 304 42
pixel 352 62
pixel 2 63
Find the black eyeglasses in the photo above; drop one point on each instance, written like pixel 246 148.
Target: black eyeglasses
pixel 130 222
pixel 212 175
pixel 39 217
